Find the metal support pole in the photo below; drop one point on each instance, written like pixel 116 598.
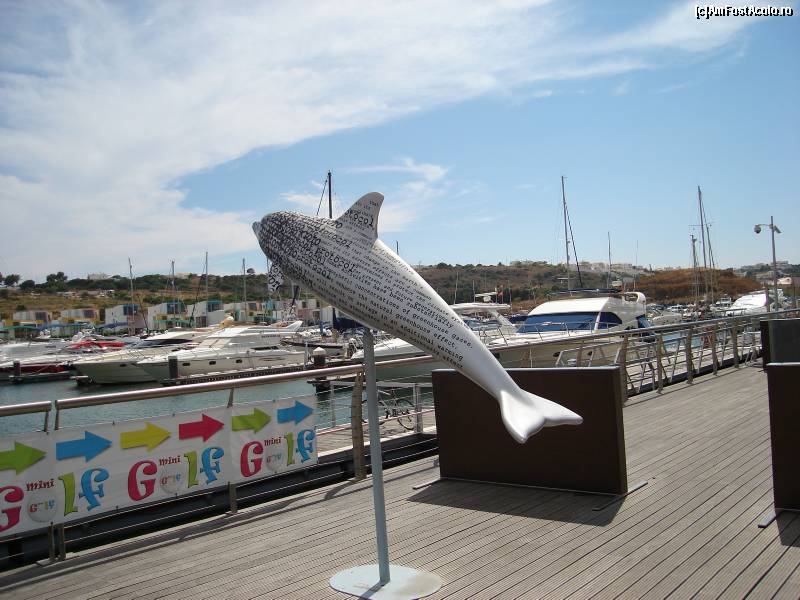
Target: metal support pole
pixel 376 459
pixel 689 362
pixel 774 264
pixel 407 583
pixel 735 344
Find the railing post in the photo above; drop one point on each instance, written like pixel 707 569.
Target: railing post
pixel 659 365
pixel 689 357
pixel 623 368
pixel 332 404
pixel 357 430
pixel 713 341
pixel 417 408
pixel 233 505
pixel 62 542
pixel 735 344
pixel 51 542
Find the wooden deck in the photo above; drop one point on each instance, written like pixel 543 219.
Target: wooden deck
pixel 690 532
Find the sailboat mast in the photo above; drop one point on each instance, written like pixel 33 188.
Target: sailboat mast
pixel 132 326
pixel 703 241
pixel 330 216
pixel 608 278
pixel 174 290
pixel 330 196
pixel 696 281
pixel 206 271
pixel 244 286
pixel 566 235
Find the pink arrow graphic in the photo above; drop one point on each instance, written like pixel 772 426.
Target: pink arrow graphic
pixel 205 428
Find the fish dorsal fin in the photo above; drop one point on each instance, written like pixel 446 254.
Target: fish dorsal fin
pixel 274 278
pixel 362 217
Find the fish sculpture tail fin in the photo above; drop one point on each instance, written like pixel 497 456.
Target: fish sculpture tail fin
pixel 524 414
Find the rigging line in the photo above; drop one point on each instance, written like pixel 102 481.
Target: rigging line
pixel 574 250
pixel 322 196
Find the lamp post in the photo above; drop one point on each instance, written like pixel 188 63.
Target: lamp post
pixel 773 229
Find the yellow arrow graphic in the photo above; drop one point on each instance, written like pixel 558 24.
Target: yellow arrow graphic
pixel 151 436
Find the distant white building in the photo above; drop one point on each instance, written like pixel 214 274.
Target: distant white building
pixel 205 313
pixel 79 315
pixel 96 276
pixel 242 312
pixel 126 315
pixel 167 314
pixel 39 317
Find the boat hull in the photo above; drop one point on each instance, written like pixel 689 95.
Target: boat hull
pixel 113 372
pixel 159 371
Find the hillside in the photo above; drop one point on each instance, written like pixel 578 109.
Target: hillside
pixel 524 284
pixel 671 287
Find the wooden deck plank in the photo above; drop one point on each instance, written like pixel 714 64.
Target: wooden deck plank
pixel 554 555
pixel 741 580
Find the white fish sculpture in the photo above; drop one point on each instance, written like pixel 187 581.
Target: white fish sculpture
pixel 345 263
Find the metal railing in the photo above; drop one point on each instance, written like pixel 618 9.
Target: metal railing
pixel 652 358
pixel 661 354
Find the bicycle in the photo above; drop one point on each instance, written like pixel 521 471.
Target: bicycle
pixel 393 408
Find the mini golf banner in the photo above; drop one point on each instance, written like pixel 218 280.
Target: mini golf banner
pixel 71 474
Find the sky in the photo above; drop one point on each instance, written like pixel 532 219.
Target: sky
pixel 159 131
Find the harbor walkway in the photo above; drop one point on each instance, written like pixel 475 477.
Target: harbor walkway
pixel 703 450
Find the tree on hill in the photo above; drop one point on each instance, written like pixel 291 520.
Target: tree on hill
pixel 11 280
pixel 678 285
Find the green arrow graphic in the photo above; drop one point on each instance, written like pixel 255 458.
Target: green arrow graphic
pixel 20 458
pixel 151 436
pixel 252 422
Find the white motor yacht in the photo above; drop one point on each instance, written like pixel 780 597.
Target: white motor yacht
pixel 233 348
pixel 754 304
pixel 120 366
pixel 485 319
pixel 557 325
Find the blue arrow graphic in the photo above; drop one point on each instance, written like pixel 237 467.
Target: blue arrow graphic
pixel 90 446
pixel 295 413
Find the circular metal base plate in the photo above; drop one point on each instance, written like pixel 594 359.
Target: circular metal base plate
pixel 405 583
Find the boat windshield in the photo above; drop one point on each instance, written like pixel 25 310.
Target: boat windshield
pixel 482 324
pixel 160 343
pixel 574 321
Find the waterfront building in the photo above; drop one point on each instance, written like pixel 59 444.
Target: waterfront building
pixel 126 316
pixel 205 313
pixel 167 314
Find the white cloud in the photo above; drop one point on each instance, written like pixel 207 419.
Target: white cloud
pixel 103 106
pixel 623 88
pixel 427 172
pixel 420 185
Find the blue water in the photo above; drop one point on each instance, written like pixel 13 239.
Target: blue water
pixel 139 409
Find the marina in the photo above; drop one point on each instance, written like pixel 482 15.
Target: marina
pixel 539 338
